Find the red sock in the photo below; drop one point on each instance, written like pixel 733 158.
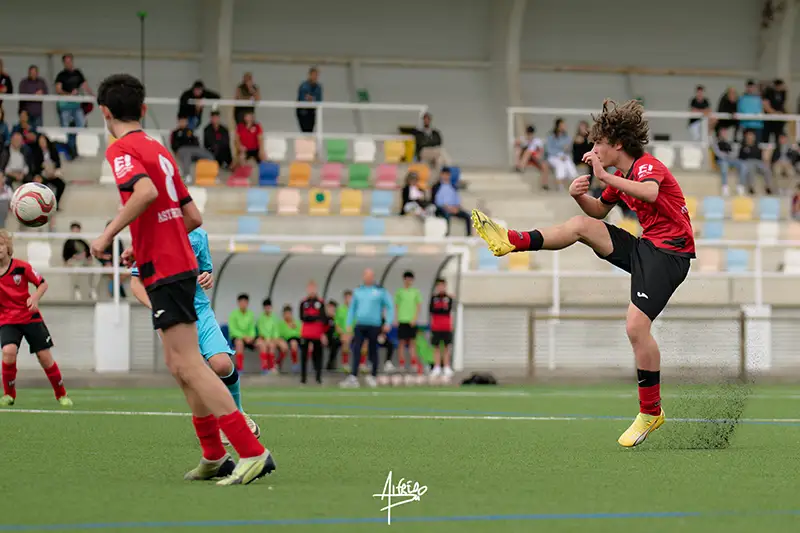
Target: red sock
pixel 271 360
pixel 363 361
pixel 54 375
pixel 401 360
pixel 264 360
pixel 207 430
pixel 9 379
pixel 294 356
pixel 242 439
pixel 345 358
pixel 239 361
pixel 649 391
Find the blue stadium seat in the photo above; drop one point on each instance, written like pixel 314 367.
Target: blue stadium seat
pixel 455 175
pixel 382 202
pixel 769 208
pixel 269 249
pixel 268 173
pixel 713 229
pixel 737 260
pixel 397 249
pixel 374 227
pixel 487 261
pixel 257 200
pixel 713 208
pixel 248 226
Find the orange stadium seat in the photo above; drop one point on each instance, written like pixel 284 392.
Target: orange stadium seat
pixel 206 172
pixel 299 174
pixel 423 172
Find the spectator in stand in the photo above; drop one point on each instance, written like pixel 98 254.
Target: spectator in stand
pixel 242 328
pixel 728 103
pixel 6 87
pixel 289 342
pixel 751 102
pixel 25 128
pixel 33 84
pixel 312 332
pixel 530 152
pixel 268 335
pixel 448 202
pixel 414 200
pixel 71 82
pixel 309 91
pixel 186 148
pixel 46 166
pixel 774 103
pixel 750 153
pixel 247 90
pixel 784 158
pixel 193 113
pixel 5 132
pixel 76 254
pixel 559 154
pixel 429 144
pixel 723 151
pixel 249 140
pixel 15 161
pixel 441 317
pixel 217 141
pixel 698 104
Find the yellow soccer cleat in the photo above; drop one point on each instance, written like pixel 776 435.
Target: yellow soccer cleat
pixel 6 401
pixel 249 470
pixel 495 235
pixel 642 426
pixel 65 401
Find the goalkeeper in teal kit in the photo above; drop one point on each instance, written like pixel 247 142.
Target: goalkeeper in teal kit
pixel 213 346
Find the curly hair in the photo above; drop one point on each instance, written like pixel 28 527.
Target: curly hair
pixel 622 124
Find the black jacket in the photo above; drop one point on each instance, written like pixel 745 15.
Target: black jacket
pixel 218 141
pixel 425 139
pixel 181 137
pixel 792 154
pixel 747 152
pixel 187 110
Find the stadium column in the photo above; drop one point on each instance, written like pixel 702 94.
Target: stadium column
pixel 506 23
pixel 217 41
pixel 775 59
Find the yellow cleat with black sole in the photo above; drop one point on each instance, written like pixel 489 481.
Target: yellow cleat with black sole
pixel 642 426
pixel 495 235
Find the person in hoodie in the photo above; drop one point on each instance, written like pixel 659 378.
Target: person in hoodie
pixel 751 103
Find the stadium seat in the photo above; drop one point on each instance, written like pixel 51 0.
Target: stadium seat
pixel 88 144
pixel 630 225
pixel 366 249
pixel 350 202
pixel 288 202
pixel 54 134
pixel 397 250
pixel 455 175
pixel 742 208
pixel 374 227
pixel 713 208
pixel 269 249
pixel 708 259
pixel 519 261
pixel 791 261
pixel 386 177
pixel 301 249
pixel 206 172
pixel 299 174
pixel 793 231
pixel 410 149
pixel 665 153
pixel 737 260
pixel 336 150
pixel 423 172
pixel 364 151
pixel 713 230
pixel 769 208
pixel 768 231
pixel 106 175
pixel 382 202
pixel 487 261
pixel 248 226
pixel 268 173
pixel 319 202
pixel 240 177
pixel 305 149
pixel 435 228
pixel 257 200
pixel 393 151
pixel 691 206
pixel 358 176
pixel 691 157
pixel 39 254
pixel 331 175
pixel 276 148
pixel 199 197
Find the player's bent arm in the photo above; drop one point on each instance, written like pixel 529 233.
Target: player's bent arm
pixel 40 290
pixel 646 190
pixel 192 217
pixel 144 194
pixel 594 207
pixel 138 290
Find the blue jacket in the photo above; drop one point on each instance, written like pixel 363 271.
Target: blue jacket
pixel 750 103
pixel 370 306
pixel 306 88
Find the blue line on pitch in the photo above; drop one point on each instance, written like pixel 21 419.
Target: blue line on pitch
pixel 378 520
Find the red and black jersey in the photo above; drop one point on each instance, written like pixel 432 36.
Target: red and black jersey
pixel 14 293
pixel 665 222
pixel 441 310
pixel 313 317
pixel 160 241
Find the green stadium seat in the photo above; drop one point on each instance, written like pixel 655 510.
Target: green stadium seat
pixel 358 176
pixel 336 150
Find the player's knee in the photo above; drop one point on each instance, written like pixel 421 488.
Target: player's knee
pixel 45 358
pixel 9 354
pixel 221 365
pixel 580 224
pixel 638 328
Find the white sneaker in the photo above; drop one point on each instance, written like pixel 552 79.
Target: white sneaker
pixel 388 367
pixel 371 382
pixel 351 382
pixel 740 190
pixel 725 191
pixel 448 372
pixel 436 372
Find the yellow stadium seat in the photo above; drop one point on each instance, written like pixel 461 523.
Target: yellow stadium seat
pixel 350 202
pixel 411 149
pixel 423 172
pixel 691 205
pixel 743 207
pixel 709 259
pixel 319 202
pixel 299 175
pixel 519 261
pixel 111 139
pixel 630 225
pixel 393 151
pixel 205 173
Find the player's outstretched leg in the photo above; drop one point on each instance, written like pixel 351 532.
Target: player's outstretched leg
pixel 223 366
pixel 53 374
pixel 648 365
pixel 9 374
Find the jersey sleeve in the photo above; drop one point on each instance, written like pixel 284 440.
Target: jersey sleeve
pixel 125 166
pixel 33 276
pixel 200 247
pixel 650 171
pixel 610 196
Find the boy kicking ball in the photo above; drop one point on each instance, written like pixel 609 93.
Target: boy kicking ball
pixel 20 319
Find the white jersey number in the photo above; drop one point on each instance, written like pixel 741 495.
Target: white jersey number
pixel 169 174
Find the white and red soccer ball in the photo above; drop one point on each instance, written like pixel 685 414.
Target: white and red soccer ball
pixel 33 204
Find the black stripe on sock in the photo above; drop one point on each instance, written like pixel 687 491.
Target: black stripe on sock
pixel 648 378
pixel 232 379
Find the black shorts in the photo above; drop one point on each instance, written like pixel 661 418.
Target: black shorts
pixel 35 334
pixel 247 345
pixel 655 274
pixel 406 332
pixel 173 303
pixel 441 337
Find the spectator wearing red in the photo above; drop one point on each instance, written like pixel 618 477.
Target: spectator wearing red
pixel 250 139
pixel 312 333
pixel 441 311
pixel 33 84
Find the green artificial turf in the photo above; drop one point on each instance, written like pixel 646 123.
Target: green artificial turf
pixel 493 459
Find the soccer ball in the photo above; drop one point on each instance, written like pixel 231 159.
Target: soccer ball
pixel 33 203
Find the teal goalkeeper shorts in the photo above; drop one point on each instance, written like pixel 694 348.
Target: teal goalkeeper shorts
pixel 212 341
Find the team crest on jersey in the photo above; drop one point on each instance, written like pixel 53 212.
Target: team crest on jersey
pixel 17 279
pixel 122 166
